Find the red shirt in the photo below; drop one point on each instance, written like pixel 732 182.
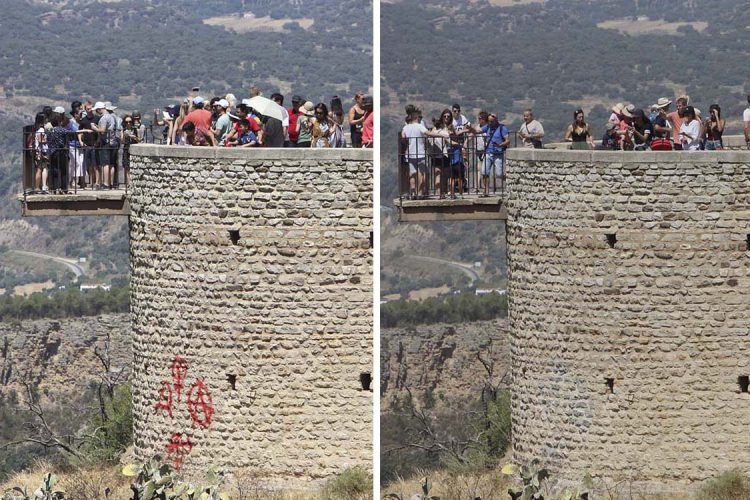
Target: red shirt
pixel 368 129
pixel 201 118
pixel 293 132
pixel 254 126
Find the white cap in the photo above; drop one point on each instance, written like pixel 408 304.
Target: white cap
pixel 99 105
pixel 198 100
pixel 223 103
pixel 59 109
pixel 246 102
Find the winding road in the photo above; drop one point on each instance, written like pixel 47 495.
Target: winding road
pixel 72 264
pixel 465 268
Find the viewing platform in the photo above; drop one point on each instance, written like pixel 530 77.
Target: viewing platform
pixel 467 207
pixel 82 202
pixel 472 206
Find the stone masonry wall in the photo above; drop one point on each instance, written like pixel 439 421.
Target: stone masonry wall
pixel 249 353
pixel 630 352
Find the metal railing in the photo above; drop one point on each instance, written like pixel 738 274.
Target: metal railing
pixel 450 167
pixel 86 161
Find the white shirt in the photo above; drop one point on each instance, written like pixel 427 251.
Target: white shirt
pixel 285 122
pixel 531 128
pixel 693 129
pixel 746 115
pixel 414 133
pixel 460 123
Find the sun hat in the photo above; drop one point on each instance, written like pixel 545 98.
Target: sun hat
pixel 99 105
pixel 663 102
pixel 628 110
pixel 617 108
pixel 109 106
pixel 307 108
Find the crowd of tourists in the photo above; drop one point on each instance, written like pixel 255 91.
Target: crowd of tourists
pixel 84 147
pixel 660 128
pixel 452 148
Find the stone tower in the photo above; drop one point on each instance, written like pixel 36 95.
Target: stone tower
pixel 629 297
pixel 251 279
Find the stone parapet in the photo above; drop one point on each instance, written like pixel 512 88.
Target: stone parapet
pixel 629 290
pixel 251 283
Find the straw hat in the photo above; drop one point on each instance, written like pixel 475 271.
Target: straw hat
pixel 628 110
pixel 663 102
pixel 307 108
pixel 617 108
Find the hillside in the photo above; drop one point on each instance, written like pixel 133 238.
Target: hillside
pixel 552 56
pixel 149 54
pixel 557 55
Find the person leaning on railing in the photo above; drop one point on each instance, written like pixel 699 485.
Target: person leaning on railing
pixel 414 133
pixel 58 153
pixel 41 154
pixel 497 140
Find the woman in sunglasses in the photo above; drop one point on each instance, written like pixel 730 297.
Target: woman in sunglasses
pixel 322 127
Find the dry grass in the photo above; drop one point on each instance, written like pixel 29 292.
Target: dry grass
pixel 493 485
pixel 489 484
pixel 80 483
pixel 249 22
pixel 426 293
pixel 30 288
pixel 649 27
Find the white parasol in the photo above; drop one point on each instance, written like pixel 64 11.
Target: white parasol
pixel 265 107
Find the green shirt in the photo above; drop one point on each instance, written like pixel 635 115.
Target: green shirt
pixel 223 126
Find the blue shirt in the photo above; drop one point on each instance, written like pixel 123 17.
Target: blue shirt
pixel 72 127
pixel 495 136
pixel 247 138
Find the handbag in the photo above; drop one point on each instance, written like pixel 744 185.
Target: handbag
pixel 661 144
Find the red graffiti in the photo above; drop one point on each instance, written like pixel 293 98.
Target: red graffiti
pixel 165 399
pixel 179 372
pixel 200 404
pixel 178 448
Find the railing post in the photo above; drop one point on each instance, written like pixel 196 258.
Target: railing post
pixel 27 162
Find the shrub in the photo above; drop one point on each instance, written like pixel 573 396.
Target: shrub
pixel 355 483
pixel 113 428
pixel 730 484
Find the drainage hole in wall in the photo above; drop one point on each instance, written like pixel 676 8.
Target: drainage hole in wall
pixel 611 240
pixel 744 382
pixel 366 380
pixel 232 379
pixel 610 384
pixel 234 235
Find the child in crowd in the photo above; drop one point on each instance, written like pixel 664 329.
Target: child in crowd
pixel 247 137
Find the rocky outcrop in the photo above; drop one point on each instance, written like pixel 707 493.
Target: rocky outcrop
pixel 442 360
pixel 59 357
